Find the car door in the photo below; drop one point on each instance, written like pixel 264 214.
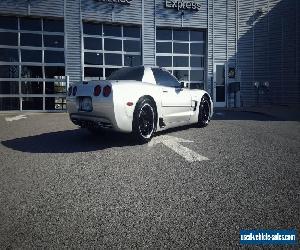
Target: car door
pixel 176 101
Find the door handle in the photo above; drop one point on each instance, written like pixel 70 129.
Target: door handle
pixel 165 91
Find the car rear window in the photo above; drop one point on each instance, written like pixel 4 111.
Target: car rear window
pixel 129 73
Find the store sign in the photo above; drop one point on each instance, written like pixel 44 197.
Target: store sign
pixel 183 5
pixel 116 1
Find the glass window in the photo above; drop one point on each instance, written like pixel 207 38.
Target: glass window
pixel 112 44
pixel 53 41
pixel 32 103
pixel 9 87
pixel 9 103
pixel 92 43
pixel 31 60
pixel 93 58
pixel 55 103
pixel 163 77
pixel 181 75
pixel 92 29
pixel 113 59
pixel 119 53
pixel 220 94
pixel 181 48
pixel 132 60
pixel 196 85
pixel 55 87
pixel 8 22
pixel 197 75
pixel 197 35
pixel 181 35
pixel 32 72
pixel 181 61
pixel 184 55
pixel 53 25
pixel 29 87
pixel 33 24
pixel 164 47
pixel 34 40
pixel 9 55
pixel 31 55
pixel 109 71
pixel 134 73
pixel 9 71
pixel 164 61
pixel 57 72
pixel 111 30
pixel 93 72
pixel 220 74
pixel 197 61
pixel 163 34
pixel 197 48
pixel 131 31
pixel 9 38
pixel 132 46
pixel 54 56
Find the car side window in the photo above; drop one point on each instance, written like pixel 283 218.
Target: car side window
pixel 165 78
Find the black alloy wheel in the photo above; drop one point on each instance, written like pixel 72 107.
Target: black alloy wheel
pixel 144 121
pixel 204 112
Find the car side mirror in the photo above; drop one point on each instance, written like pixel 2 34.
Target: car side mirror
pixel 184 85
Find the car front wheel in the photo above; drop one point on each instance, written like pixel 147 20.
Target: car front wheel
pixel 143 124
pixel 204 110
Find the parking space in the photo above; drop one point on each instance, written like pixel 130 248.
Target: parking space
pixel 64 187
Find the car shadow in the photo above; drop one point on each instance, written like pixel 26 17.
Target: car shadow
pixel 80 140
pixel 77 140
pixel 69 141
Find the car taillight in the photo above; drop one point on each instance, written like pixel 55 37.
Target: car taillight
pixel 70 91
pixel 97 90
pixel 106 91
pixel 74 91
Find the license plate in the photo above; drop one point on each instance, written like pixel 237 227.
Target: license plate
pixel 85 104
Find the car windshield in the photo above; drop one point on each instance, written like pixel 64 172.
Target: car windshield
pixel 130 73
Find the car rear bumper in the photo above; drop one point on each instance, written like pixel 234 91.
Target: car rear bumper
pixel 90 121
pixel 103 115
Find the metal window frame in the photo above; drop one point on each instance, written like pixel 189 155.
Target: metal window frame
pixel 104 66
pixel 42 48
pixel 189 55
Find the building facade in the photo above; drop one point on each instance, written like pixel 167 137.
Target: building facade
pixel 243 52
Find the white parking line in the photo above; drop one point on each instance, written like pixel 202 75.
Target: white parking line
pixel 15 118
pixel 173 143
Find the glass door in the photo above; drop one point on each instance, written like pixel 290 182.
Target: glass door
pixel 219 85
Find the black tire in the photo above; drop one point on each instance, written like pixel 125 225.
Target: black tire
pixel 204 112
pixel 144 117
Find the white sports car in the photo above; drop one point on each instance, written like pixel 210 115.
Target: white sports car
pixel 139 100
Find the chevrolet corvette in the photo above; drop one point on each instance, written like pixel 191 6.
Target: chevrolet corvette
pixel 139 100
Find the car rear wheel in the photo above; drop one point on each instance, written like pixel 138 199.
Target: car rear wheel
pixel 204 110
pixel 143 125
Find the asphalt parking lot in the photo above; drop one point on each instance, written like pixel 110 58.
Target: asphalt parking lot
pixel 60 186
